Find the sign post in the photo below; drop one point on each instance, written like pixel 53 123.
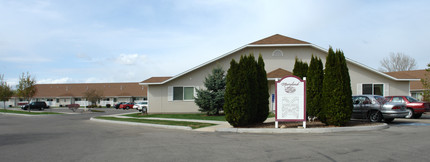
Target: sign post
pixel 290 100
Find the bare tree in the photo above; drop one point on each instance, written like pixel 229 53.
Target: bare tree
pixel 397 62
pixel 93 96
pixel 26 87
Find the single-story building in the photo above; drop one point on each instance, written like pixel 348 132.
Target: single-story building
pixel 176 94
pixel 65 94
pixel 416 87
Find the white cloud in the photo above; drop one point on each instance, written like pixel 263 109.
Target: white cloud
pixel 55 81
pixel 130 59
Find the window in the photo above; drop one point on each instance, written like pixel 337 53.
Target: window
pixel 277 53
pixel 183 93
pixel 416 95
pixel 411 99
pixel 397 99
pixel 178 93
pixel 373 89
pixel 78 99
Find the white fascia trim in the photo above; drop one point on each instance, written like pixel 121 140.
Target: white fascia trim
pixel 366 67
pixel 277 45
pixel 274 45
pixel 197 67
pixel 224 55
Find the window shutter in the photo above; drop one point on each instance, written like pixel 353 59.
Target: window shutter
pixel 386 89
pixel 359 88
pixel 170 93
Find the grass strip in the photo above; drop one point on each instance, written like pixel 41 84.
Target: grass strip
pixel 198 116
pixel 193 125
pixel 26 112
pixel 179 116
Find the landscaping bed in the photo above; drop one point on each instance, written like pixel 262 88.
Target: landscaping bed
pixel 315 124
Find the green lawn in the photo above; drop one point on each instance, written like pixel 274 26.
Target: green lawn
pixel 179 116
pixel 26 112
pixel 184 116
pixel 193 125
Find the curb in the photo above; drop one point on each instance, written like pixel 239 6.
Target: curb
pixel 301 130
pixel 142 124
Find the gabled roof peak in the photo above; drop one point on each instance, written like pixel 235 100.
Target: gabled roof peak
pixel 279 39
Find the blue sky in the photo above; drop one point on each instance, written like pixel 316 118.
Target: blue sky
pixel 85 41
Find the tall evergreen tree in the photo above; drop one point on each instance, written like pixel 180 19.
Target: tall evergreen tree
pixel 211 99
pixel 336 96
pixel 263 92
pixel 243 99
pixel 314 83
pixel 234 97
pixel 347 91
pixel 300 68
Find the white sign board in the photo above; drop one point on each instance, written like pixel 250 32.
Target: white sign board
pixel 290 99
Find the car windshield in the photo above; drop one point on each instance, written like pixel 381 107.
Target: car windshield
pixel 142 103
pixel 411 99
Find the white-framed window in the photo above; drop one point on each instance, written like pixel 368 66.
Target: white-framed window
pixel 381 89
pixel 277 53
pixel 181 93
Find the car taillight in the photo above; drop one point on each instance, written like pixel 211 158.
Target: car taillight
pixel 396 107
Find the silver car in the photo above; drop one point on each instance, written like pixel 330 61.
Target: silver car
pixel 376 108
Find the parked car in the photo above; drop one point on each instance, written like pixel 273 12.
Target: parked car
pixel 126 106
pixel 119 103
pixel 376 108
pixel 41 105
pixel 414 107
pixel 141 106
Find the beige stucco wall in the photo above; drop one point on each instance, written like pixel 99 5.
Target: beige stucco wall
pixel 157 94
pixel 361 75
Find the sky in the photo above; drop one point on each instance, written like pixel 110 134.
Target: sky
pixel 99 41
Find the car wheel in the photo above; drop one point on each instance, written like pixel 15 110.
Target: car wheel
pixel 375 116
pixel 41 109
pixel 127 108
pixel 417 116
pixel 410 113
pixel 389 120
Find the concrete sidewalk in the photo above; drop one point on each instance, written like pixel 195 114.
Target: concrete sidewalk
pixel 223 126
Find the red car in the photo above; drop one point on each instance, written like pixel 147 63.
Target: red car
pixel 415 108
pixel 126 106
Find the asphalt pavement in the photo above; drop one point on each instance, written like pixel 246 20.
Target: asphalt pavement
pixel 73 137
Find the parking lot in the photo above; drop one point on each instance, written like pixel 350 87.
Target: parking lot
pixel 73 137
